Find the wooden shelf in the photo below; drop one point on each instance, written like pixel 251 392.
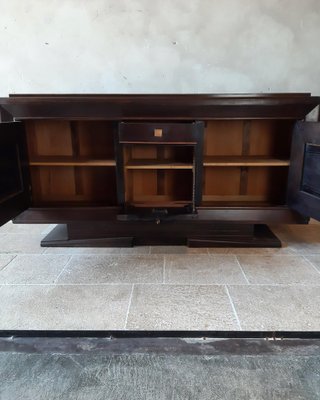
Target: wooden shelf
pixel 157 164
pixel 160 204
pixel 244 161
pixel 237 203
pixel 70 162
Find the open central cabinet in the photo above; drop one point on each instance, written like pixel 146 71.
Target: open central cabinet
pixel 199 170
pixel 159 167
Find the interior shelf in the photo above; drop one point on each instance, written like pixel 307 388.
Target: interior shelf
pixel 157 164
pixel 56 161
pixel 244 161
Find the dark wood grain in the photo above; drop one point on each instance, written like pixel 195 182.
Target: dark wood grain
pixel 305 169
pixel 160 107
pixel 266 123
pixel 14 173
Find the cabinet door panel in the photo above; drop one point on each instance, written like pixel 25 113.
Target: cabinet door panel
pixel 304 172
pixel 14 179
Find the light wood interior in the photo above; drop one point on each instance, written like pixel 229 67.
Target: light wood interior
pixel 244 163
pixel 158 175
pixel 153 187
pixel 72 162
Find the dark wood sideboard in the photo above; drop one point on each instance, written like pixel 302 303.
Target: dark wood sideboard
pixel 123 170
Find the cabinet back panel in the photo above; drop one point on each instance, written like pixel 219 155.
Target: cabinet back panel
pixel 270 138
pixel 221 181
pixel 144 185
pixel 141 152
pixel 248 138
pixel 49 138
pixel 223 138
pixel 261 184
pixel 162 152
pixel 74 185
pixel 96 139
pixel 270 183
pixel 92 139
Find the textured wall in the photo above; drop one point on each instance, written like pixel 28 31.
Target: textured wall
pixel 135 46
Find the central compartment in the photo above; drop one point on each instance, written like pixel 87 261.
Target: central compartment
pixel 160 164
pixel 158 176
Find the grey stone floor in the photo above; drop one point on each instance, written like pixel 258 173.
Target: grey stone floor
pixel 160 369
pixel 159 288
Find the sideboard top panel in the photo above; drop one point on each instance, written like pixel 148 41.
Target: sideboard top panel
pixel 158 106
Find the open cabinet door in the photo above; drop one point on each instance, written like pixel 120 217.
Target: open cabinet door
pixel 14 176
pixel 304 172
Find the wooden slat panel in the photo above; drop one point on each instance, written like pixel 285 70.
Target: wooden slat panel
pixel 223 138
pixel 51 184
pixel 221 181
pixel 270 138
pixel 268 182
pixel 143 185
pixel 96 139
pixel 49 138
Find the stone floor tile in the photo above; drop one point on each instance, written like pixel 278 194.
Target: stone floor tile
pixel 197 269
pixel 98 250
pixel 283 308
pixel 33 229
pixel 250 250
pixel 5 260
pixel 314 259
pixel 20 243
pixel 113 269
pixel 166 307
pixel 217 370
pixel 33 269
pixel 278 269
pixel 303 239
pixel 178 250
pixel 46 307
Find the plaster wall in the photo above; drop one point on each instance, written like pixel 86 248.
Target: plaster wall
pixel 153 46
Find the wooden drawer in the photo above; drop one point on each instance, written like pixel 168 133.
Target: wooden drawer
pixel 162 133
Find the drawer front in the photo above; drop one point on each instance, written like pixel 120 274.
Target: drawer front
pixel 162 133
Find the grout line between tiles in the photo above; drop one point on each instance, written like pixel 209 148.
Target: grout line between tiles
pixel 242 270
pixel 129 305
pixel 15 256
pixel 311 264
pixel 233 307
pixel 63 269
pixel 296 285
